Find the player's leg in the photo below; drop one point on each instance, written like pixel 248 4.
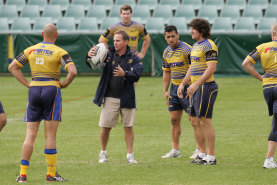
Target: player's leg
pixel 196 129
pixel 3 119
pixel 128 119
pixel 108 120
pixel 175 118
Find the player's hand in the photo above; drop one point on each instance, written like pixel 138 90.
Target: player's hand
pixel 63 84
pixel 180 91
pixel 92 52
pixel 118 71
pixel 192 89
pixel 166 96
pixel 140 55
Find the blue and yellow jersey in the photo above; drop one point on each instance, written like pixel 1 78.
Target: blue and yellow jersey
pixel 202 53
pixel 177 61
pixel 45 61
pixel 267 52
pixel 134 30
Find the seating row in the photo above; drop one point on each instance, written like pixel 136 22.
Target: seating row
pixel 152 24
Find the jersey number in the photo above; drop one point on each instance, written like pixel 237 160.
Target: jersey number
pixel 39 61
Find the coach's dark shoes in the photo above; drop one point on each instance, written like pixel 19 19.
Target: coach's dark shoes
pixel 21 178
pixel 56 178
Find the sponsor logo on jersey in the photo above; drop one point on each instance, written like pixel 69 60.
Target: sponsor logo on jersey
pixel 271 50
pixel 176 64
pixel 195 58
pixel 41 52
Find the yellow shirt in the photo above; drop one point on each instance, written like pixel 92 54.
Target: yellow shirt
pixel 267 52
pixel 45 61
pixel 202 53
pixel 134 30
pixel 176 60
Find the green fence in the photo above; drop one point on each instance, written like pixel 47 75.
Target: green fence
pixel 233 48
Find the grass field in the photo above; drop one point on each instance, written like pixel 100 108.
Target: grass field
pixel 240 120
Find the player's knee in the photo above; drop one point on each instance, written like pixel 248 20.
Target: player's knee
pixel 175 122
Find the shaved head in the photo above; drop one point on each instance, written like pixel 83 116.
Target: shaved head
pixel 50 31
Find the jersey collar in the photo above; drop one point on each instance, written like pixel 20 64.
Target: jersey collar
pixel 47 42
pixel 202 41
pixel 125 24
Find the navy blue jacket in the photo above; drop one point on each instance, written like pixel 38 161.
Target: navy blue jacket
pixel 133 68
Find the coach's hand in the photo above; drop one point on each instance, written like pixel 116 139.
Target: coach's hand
pixel 166 97
pixel 118 71
pixel 180 91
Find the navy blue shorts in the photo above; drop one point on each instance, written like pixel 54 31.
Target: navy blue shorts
pixel 1 108
pixel 203 100
pixel 44 102
pixel 176 103
pixel 270 95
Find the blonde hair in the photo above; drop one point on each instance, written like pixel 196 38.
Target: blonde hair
pixel 274 28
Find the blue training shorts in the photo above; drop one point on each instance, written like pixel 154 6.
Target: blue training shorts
pixel 44 102
pixel 203 100
pixel 1 108
pixel 176 103
pixel 270 95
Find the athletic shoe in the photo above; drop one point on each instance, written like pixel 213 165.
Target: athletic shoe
pixel 103 157
pixel 131 159
pixel 56 178
pixel 21 178
pixel 269 164
pixel 195 154
pixel 172 154
pixel 196 160
pixel 206 161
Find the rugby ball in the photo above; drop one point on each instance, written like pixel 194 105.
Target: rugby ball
pixel 100 54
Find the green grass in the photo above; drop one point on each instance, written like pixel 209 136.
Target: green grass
pixel 240 120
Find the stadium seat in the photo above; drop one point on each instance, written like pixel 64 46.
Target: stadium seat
pixel 18 3
pixel 271 11
pixel 1 2
pixel 21 24
pixel 106 3
pixel 150 3
pixel 31 12
pixel 186 11
pixel 132 3
pixel 137 19
pixel 76 11
pixel 141 11
pixel 107 22
pixel 222 24
pixel 64 4
pixel 4 26
pixel 240 3
pixel 40 22
pixel 115 11
pixel 163 11
pixel 155 24
pixel 9 12
pixel 97 11
pixel 40 3
pixel 265 23
pixel 261 3
pixel 218 3
pixel 53 11
pixel 254 11
pixel 232 11
pixel 196 3
pixel 88 24
pixel 180 23
pixel 66 24
pixel 209 12
pixel 173 3
pixel 273 2
pixel 85 3
pixel 245 24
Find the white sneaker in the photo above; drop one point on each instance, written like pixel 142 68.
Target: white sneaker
pixel 131 159
pixel 269 164
pixel 103 157
pixel 195 154
pixel 172 154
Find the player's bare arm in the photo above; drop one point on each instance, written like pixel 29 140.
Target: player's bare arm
pixel 72 72
pixel 16 72
pixel 166 83
pixel 145 47
pixel 185 81
pixel 248 66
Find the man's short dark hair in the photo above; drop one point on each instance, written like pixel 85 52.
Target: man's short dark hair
pixel 125 36
pixel 202 26
pixel 126 7
pixel 170 29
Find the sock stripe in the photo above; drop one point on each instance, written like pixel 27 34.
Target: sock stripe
pixel 50 151
pixel 24 162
